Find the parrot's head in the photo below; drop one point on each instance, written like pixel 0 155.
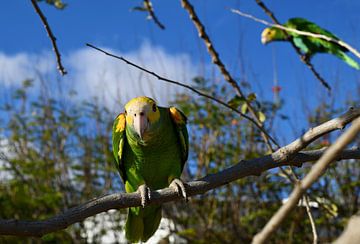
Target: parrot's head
pixel 142 115
pixel 271 34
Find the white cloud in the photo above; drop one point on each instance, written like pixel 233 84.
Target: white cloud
pixel 93 74
pixel 113 80
pixel 15 68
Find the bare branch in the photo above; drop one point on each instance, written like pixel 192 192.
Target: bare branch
pixel 217 61
pixel 304 60
pixel 315 173
pixel 242 169
pixel 150 9
pixel 60 67
pixel 303 33
pixel 311 218
pixel 260 127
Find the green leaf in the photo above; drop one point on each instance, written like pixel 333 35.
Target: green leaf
pixel 244 108
pixel 236 101
pixel 251 97
pixel 262 117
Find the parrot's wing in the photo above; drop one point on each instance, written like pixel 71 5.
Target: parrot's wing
pixel 180 120
pixel 306 25
pixel 118 140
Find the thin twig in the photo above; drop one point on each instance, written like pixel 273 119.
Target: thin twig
pixel 315 173
pixel 260 127
pixel 304 60
pixel 312 222
pixel 150 9
pixel 60 67
pixel 303 33
pixel 242 169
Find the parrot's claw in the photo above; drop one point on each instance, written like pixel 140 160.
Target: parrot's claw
pixel 179 187
pixel 145 194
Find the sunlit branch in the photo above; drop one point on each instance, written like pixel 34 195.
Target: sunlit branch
pixel 240 170
pixel 315 173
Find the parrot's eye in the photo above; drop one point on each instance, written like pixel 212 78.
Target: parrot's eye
pixel 125 112
pixel 154 107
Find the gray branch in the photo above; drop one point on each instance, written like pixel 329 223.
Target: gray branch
pixel 288 155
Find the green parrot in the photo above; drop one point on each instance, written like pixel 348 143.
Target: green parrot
pixel 151 146
pixel 308 45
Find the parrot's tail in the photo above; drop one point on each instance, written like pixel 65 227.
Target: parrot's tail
pixel 142 223
pixel 348 60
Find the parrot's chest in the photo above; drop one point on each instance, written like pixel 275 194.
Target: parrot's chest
pixel 155 162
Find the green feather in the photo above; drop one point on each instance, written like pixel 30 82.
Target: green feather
pixel 310 45
pixel 154 162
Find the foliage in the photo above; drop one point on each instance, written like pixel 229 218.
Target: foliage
pixel 55 156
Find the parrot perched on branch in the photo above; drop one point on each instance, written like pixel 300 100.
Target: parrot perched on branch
pixel 151 146
pixel 308 45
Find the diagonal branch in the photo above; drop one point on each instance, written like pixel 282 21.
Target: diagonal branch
pixel 60 67
pixel 260 127
pixel 315 173
pixel 150 9
pixel 217 61
pixel 242 169
pixel 304 60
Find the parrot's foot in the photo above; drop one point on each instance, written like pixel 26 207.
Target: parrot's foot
pixel 179 187
pixel 145 194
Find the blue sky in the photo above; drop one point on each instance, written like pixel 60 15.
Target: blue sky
pixel 175 52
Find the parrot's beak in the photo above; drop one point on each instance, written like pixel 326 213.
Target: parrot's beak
pixel 141 124
pixel 264 40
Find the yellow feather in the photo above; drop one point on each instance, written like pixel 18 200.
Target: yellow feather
pixel 121 123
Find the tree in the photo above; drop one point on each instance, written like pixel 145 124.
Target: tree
pixel 56 155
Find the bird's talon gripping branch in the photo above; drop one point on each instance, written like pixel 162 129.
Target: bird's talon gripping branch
pixel 145 194
pixel 179 187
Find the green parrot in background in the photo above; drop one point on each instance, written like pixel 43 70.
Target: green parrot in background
pixel 151 146
pixel 308 45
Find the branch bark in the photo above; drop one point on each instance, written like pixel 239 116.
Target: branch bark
pixel 243 169
pixel 315 173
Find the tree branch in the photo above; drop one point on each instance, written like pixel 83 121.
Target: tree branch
pixel 150 9
pixel 304 60
pixel 242 169
pixel 60 67
pixel 315 173
pixel 217 61
pixel 260 127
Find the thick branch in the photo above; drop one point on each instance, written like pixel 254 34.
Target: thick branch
pixel 315 173
pixel 242 169
pixel 126 200
pixel 60 67
pixel 304 60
